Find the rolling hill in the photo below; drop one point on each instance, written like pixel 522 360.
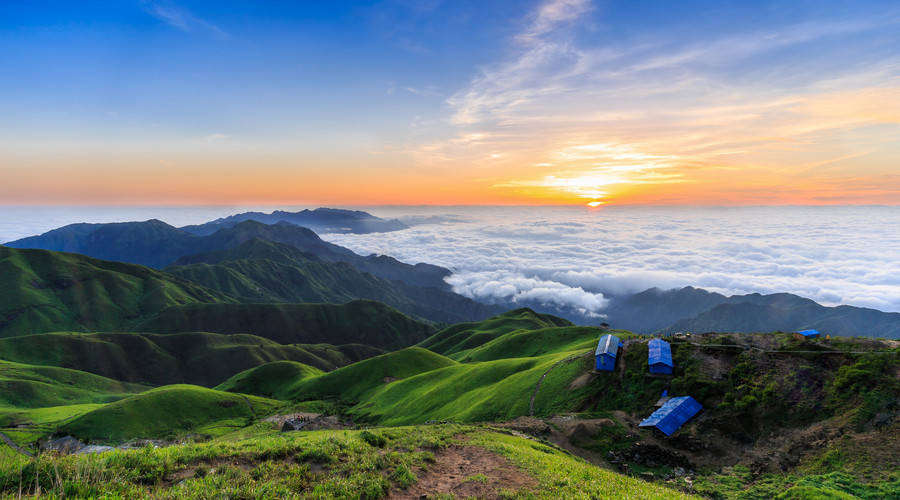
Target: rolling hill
pixel 358 322
pixel 43 291
pixel 263 271
pixel 269 380
pixel 195 358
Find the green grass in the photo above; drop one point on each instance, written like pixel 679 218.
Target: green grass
pixel 357 322
pixel 269 379
pixel 169 412
pixel 159 359
pixel 259 462
pixel 43 291
pixel 28 386
pixel 351 383
pixel 531 343
pixel 465 336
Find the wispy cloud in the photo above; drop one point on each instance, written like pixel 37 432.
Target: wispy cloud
pixel 683 112
pixel 180 18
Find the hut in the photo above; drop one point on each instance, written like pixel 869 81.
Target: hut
pixel 673 414
pixel 659 357
pixel 806 334
pixel 605 355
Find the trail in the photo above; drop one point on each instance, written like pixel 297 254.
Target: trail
pixel 250 405
pixel 12 444
pixel 541 380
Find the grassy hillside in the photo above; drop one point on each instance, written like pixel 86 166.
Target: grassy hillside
pixel 261 463
pixel 27 386
pixel 361 321
pixel 465 336
pixel 43 291
pixel 159 359
pixel 168 412
pixel 269 379
pixel 350 383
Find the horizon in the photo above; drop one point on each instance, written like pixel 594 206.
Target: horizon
pixel 554 102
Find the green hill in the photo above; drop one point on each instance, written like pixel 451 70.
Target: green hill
pixel 43 291
pixel 269 380
pixel 27 386
pixel 160 359
pixel 361 322
pixel 465 336
pixel 168 412
pixel 530 343
pixel 352 382
pixel 264 271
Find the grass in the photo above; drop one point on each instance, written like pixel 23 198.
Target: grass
pixel 269 379
pixel 28 386
pixel 258 462
pixel 169 412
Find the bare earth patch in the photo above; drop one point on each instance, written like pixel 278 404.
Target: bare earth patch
pixel 466 472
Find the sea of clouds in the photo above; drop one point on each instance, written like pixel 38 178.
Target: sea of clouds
pixel 576 258
pixel 572 257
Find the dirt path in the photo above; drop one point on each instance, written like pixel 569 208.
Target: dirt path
pixel 467 472
pixel 12 444
pixel 540 381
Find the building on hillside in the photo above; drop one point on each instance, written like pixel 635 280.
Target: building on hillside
pixel 606 353
pixel 806 334
pixel 659 357
pixel 673 414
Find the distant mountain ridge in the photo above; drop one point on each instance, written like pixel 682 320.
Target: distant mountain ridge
pixel 320 220
pixel 696 310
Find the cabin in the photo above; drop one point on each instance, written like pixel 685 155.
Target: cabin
pixel 673 414
pixel 806 334
pixel 605 355
pixel 659 357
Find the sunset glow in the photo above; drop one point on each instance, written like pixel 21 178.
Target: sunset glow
pixel 551 102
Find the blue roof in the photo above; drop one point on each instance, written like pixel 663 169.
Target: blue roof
pixel 609 344
pixel 808 333
pixel 659 352
pixel 673 414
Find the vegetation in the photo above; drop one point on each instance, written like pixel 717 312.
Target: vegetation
pixel 270 379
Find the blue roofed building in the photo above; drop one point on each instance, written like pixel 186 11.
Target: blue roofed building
pixel 807 334
pixel 659 357
pixel 673 414
pixel 605 355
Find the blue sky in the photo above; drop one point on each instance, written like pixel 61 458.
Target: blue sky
pixel 467 101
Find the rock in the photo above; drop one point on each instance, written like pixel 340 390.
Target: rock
pixel 648 475
pixel 94 449
pixel 293 424
pixel 64 445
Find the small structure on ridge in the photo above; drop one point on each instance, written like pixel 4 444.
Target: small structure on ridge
pixel 806 334
pixel 659 357
pixel 606 353
pixel 673 414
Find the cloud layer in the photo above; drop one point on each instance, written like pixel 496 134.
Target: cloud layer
pixel 575 257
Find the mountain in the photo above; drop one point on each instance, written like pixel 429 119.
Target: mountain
pixel 43 291
pixel 358 322
pixel 264 271
pixel 787 312
pixel 156 244
pixel 320 220
pixel 191 358
pixel 697 310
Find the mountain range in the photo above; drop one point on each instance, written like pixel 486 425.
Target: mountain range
pixel 320 220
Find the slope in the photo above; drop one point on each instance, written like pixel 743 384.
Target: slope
pixel 358 322
pixel 169 412
pixel 195 358
pixel 44 291
pixel 270 380
pixel 27 386
pixel 264 271
pixel 464 336
pixel 350 383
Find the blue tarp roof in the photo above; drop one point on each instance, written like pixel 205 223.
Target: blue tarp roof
pixel 807 333
pixel 609 344
pixel 673 414
pixel 660 352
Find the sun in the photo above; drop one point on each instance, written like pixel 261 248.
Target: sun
pixel 596 203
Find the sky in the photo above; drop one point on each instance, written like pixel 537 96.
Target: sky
pixel 449 102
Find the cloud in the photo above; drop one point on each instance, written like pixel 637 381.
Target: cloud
pixel 180 18
pixel 215 137
pixel 577 258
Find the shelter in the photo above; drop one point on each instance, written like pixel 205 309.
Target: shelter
pixel 605 355
pixel 806 334
pixel 673 414
pixel 659 356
